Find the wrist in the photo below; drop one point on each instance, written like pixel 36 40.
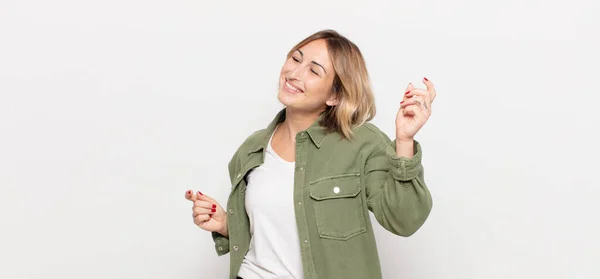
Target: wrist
pixel 404 140
pixel 223 232
pixel 405 148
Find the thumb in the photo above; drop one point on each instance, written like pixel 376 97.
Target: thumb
pixel 189 195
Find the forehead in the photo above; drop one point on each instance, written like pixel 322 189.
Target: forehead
pixel 317 51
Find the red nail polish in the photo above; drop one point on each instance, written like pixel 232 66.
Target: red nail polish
pixel 189 192
pixel 401 102
pixel 214 206
pixel 200 193
pixel 406 92
pixel 213 210
pixel 425 79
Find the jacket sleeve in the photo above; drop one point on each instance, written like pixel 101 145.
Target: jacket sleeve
pixel 396 190
pixel 221 242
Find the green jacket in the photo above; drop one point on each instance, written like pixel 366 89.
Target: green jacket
pixel 336 183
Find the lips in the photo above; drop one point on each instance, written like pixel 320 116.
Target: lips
pixel 293 88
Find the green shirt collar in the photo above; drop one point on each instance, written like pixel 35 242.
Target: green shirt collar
pixel 316 132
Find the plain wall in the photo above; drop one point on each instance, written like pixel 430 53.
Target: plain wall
pixel 110 110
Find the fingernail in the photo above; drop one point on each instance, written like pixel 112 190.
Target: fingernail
pixel 214 206
pixel 425 79
pixel 213 210
pixel 199 193
pixel 189 192
pixel 406 92
pixel 401 102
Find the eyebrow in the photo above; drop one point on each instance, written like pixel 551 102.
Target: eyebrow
pixel 302 54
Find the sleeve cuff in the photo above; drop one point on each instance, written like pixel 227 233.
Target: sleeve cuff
pixel 221 243
pixel 402 168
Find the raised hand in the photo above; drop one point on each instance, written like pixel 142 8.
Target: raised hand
pixel 207 213
pixel 414 111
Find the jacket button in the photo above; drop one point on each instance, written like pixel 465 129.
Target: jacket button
pixel 336 189
pixel 230 211
pixel 220 248
pixel 235 248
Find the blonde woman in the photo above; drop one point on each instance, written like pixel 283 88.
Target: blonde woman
pixel 302 188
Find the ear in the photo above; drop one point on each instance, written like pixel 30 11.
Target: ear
pixel 333 98
pixel 333 101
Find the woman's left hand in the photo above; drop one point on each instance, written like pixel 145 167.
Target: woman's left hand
pixel 414 111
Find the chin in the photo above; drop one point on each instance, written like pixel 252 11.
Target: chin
pixel 284 98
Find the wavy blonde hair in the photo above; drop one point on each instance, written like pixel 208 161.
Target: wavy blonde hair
pixel 351 84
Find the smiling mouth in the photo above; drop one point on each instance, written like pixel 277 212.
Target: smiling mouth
pixel 292 88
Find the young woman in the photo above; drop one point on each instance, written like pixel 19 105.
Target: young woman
pixel 302 188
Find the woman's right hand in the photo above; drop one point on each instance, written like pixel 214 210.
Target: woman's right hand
pixel 207 213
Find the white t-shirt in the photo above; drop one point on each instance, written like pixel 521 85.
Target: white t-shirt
pixel 274 247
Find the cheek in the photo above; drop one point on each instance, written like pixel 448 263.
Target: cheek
pixel 287 66
pixel 318 87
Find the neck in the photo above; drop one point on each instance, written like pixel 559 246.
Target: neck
pixel 296 121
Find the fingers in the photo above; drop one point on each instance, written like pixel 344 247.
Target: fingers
pixel 203 208
pixel 200 219
pixel 409 87
pixel 429 94
pixel 416 101
pixel 204 204
pixel 418 91
pixel 196 210
pixel 189 195
pixel 411 102
pixel 414 110
pixel 423 94
pixel 430 88
pixel 202 197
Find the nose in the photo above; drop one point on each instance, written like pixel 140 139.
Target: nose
pixel 296 73
pixel 299 70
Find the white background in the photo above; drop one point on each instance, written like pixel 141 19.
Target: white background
pixel 110 110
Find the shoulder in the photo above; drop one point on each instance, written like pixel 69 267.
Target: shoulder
pixel 253 141
pixel 371 133
pixel 366 139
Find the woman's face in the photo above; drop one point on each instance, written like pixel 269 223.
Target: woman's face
pixel 307 77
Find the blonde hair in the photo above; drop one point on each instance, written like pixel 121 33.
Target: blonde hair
pixel 351 84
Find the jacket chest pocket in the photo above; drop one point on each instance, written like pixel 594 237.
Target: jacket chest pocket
pixel 338 206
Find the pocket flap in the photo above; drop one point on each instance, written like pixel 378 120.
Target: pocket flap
pixel 335 187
